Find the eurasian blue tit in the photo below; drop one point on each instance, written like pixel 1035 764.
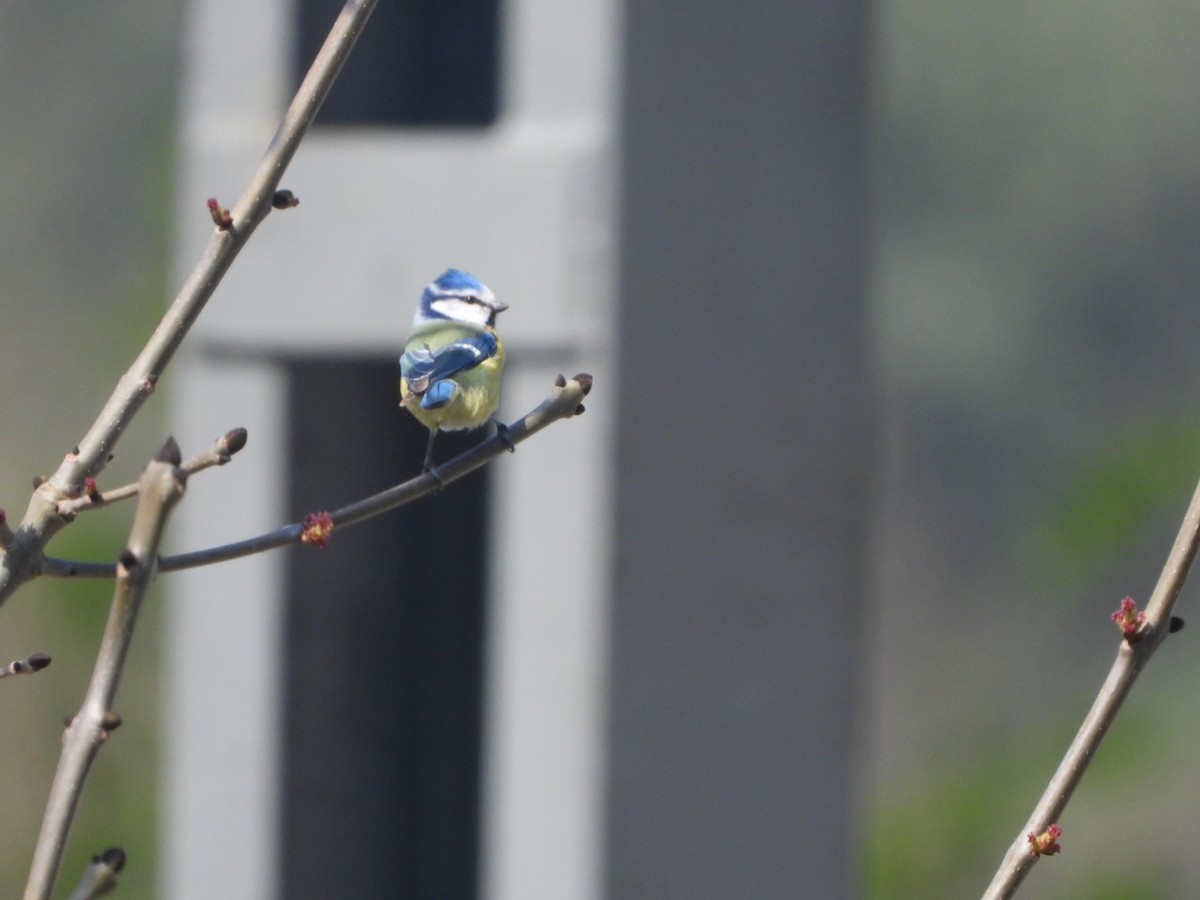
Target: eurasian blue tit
pixel 452 362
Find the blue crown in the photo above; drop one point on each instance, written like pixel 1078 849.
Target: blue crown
pixel 456 283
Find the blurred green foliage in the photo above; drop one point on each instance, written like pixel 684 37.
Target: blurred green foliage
pixel 1112 496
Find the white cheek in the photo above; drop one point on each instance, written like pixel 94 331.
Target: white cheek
pixel 461 310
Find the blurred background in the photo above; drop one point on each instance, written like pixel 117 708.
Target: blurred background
pixel 87 157
pixel 1032 277
pixel 1034 293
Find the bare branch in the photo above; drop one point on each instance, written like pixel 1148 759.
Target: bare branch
pixel 34 662
pixel 6 533
pixel 161 487
pixel 100 876
pixel 1132 657
pixel 22 557
pixel 218 454
pixel 564 401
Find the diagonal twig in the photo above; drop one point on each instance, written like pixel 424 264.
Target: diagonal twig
pixel 34 662
pixel 22 556
pixel 1132 657
pixel 218 454
pixel 100 876
pixel 160 488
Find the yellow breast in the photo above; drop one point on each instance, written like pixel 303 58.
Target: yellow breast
pixel 477 389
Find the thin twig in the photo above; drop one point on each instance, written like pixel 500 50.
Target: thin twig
pixel 22 556
pixel 218 454
pixel 1131 659
pixel 34 662
pixel 564 401
pixel 6 533
pixel 100 876
pixel 161 487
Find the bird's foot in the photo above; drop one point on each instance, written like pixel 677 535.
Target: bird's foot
pixel 433 473
pixel 502 433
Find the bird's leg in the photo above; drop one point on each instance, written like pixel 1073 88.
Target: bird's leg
pixel 428 466
pixel 502 433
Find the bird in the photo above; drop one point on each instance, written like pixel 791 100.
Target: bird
pixel 453 359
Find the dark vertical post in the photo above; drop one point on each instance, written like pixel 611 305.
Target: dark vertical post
pixel 384 643
pixel 744 449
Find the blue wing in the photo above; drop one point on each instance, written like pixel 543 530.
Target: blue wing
pixel 423 368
